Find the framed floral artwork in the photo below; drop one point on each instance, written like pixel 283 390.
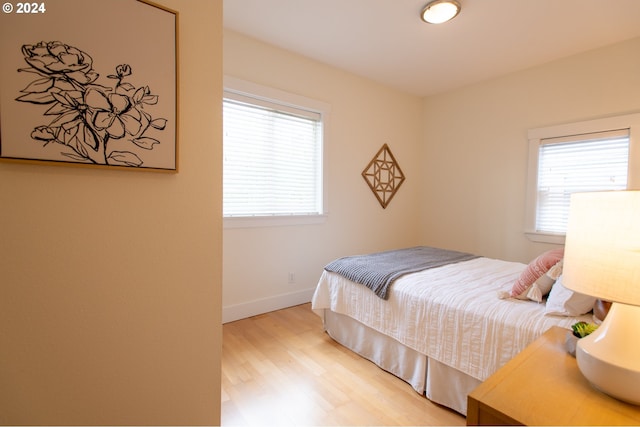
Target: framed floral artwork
pixel 92 83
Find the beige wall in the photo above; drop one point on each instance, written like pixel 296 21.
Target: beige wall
pixel 110 301
pixel 464 153
pixel 475 145
pixel 364 116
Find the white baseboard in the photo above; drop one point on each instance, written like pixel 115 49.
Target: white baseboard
pixel 265 305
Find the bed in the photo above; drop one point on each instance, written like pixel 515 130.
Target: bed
pixel 443 328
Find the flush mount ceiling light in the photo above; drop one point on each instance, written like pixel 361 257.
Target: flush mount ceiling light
pixel 439 11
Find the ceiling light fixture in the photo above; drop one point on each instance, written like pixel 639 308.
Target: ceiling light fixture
pixel 439 11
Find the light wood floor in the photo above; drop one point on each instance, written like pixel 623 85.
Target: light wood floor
pixel 282 369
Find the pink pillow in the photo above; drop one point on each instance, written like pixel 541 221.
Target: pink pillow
pixel 534 270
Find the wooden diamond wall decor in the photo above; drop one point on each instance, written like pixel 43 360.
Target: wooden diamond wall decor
pixel 383 175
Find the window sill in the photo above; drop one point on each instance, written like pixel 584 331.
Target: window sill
pixel 272 221
pixel 537 236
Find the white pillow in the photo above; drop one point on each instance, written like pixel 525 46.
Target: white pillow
pixel 565 302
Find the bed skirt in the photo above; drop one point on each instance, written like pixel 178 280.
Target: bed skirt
pixel 438 382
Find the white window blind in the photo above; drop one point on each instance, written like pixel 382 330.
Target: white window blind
pixel 272 158
pixel 578 163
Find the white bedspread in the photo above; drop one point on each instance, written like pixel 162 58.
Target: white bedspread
pixel 451 313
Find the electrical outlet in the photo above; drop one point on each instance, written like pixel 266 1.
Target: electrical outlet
pixel 292 277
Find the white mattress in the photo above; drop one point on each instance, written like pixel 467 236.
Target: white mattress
pixel 451 314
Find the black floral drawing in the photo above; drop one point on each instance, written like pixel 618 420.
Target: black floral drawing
pixel 86 116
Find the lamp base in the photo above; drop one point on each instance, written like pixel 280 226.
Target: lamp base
pixel 610 357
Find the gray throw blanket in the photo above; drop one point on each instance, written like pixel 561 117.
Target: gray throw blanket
pixel 378 270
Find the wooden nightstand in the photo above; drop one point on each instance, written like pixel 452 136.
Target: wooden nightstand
pixel 543 386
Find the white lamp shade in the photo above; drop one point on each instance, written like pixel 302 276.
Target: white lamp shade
pixel 602 259
pixel 602 248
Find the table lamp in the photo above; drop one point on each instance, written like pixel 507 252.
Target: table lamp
pixel 602 259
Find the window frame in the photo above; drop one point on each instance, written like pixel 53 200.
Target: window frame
pixel 627 121
pixel 257 92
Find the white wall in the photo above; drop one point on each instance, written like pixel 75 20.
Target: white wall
pixel 475 145
pixel 364 116
pixel 110 302
pixel 464 153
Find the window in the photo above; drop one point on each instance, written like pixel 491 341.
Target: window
pixel 273 156
pixel 580 157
